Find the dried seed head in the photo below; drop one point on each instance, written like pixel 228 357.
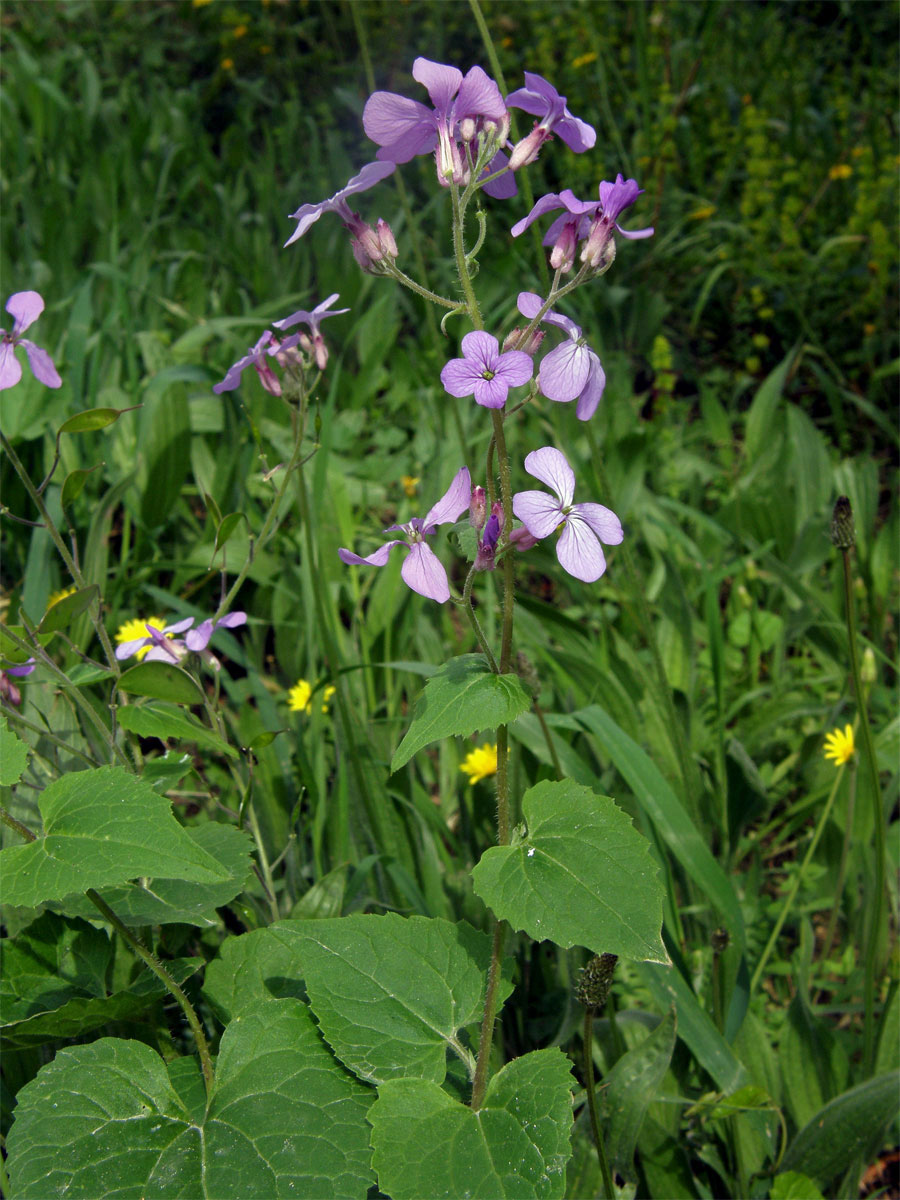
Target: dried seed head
pixel 593 986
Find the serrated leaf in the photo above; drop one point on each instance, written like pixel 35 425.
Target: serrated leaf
pixel 461 697
pixel 284 1120
pixel 160 681
pixel 515 1147
pixel 61 614
pixel 629 1088
pixel 93 419
pixel 176 901
pixel 391 993
pixel 163 721
pixel 583 876
pixel 846 1127
pixel 13 755
pixel 101 827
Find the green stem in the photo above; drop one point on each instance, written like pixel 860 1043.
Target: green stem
pixel 489 1017
pixel 469 610
pixel 539 713
pixel 872 965
pixel 401 277
pixel 591 1089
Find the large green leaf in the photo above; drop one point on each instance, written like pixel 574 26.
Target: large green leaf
pixel 844 1129
pixel 162 681
pixel 426 1144
pixel 583 875
pixel 178 901
pixel 284 1120
pixel 101 827
pixel 668 815
pixel 54 982
pixel 13 755
pixel 165 721
pixel 460 698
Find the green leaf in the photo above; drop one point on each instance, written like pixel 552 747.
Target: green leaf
pixel 13 755
pixel 61 614
pixel 668 815
pixel 515 1147
pixel 761 414
pixel 177 901
pixel 226 528
pixel 582 876
pixel 10 652
pixel 325 898
pixel 101 827
pixel 161 681
pixel 791 1185
pixel 629 1088
pixel 391 993
pixel 164 721
pixel 73 485
pixel 461 697
pixel 54 982
pixel 284 1120
pixel 93 419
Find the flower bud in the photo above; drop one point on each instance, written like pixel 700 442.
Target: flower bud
pixel 386 238
pixel 868 672
pixel 484 559
pixel 527 150
pixel 498 515
pixel 467 129
pixel 530 347
pixel 477 508
pixel 522 539
pixel 843 533
pixel 562 256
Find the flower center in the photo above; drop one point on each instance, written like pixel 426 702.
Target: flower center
pixel 488 374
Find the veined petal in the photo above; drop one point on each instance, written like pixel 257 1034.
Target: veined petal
pixel 505 187
pixel 376 559
pixel 452 504
pixel 545 204
pixel 10 367
pixel 389 118
pixel 231 620
pixel 126 649
pixel 460 375
pixel 25 307
pixel 481 346
pixel 593 390
pixel 491 393
pixel 41 364
pixel 551 467
pixel 515 367
pixel 479 96
pixel 538 512
pixel 577 134
pixel 198 639
pixel 178 627
pixel 602 520
pixel 564 372
pixel 423 572
pixel 441 81
pixel 578 550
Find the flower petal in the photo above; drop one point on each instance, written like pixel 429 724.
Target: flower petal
pixel 515 367
pixel 602 520
pixel 491 393
pixel 41 364
pixel 593 390
pixel 564 372
pixel 545 204
pixel 423 572
pixel 551 467
pixel 579 552
pixel 398 124
pixel 377 559
pixel 479 96
pixel 460 375
pixel 454 502
pixel 481 346
pixel 26 307
pixel 538 512
pixel 10 367
pixel 441 81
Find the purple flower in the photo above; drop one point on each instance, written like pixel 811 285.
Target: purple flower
pixel 24 308
pixel 404 128
pixel 485 371
pixel 571 371
pixel 313 319
pixel 165 647
pixel 307 214
pixel 422 570
pixel 592 221
pixel 584 526
pixel 256 357
pixel 542 100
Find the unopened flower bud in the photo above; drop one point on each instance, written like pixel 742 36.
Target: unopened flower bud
pixel 521 539
pixel 593 986
pixel 868 672
pixel 843 533
pixel 484 559
pixel 477 508
pixel 498 130
pixel 531 347
pixel 386 238
pixel 320 351
pixel 498 515
pixel 562 256
pixel 467 129
pixel 527 150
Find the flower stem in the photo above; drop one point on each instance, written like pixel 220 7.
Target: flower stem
pixel 489 1017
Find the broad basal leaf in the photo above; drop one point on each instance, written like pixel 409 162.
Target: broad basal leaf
pixel 178 901
pixel 101 827
pixel 13 755
pixel 426 1144
pixel 460 698
pixel 583 876
pixel 108 1119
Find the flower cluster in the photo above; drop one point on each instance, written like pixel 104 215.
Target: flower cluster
pixel 156 642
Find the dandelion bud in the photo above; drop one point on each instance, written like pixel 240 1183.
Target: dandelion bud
pixel 386 238
pixel 843 534
pixel 593 986
pixel 477 508
pixel 527 150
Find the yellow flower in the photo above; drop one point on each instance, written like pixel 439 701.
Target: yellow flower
pixel 227 64
pixel 701 214
pixel 239 31
pixel 480 763
pixel 136 628
pixel 300 697
pixel 840 171
pixel 55 597
pixel 410 483
pixel 583 59
pixel 840 746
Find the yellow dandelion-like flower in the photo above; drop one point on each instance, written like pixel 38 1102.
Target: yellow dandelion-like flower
pixel 840 171
pixel 55 597
pixel 583 59
pixel 300 697
pixel 136 628
pixel 703 214
pixel 479 764
pixel 410 483
pixel 239 31
pixel 227 64
pixel 840 745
